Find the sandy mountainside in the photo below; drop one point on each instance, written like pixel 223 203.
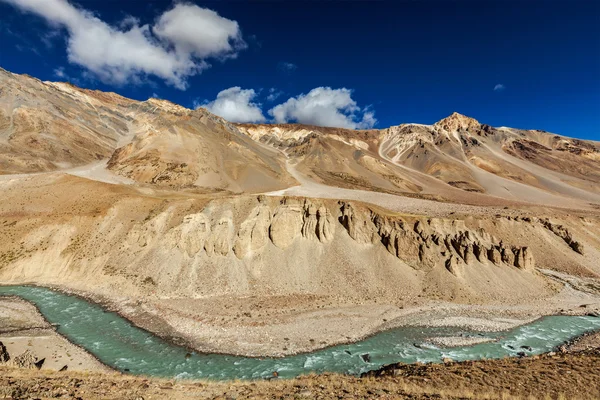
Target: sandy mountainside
pixel 47 126
pixel 459 152
pixel 225 234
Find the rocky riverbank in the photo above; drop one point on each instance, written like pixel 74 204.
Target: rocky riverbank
pixel 27 340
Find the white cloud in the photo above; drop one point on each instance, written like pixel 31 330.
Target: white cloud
pixel 174 49
pixel 60 73
pixel 274 94
pixel 499 87
pixel 235 105
pixel 199 31
pixel 325 106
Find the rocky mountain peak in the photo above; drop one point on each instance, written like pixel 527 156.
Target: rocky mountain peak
pixel 457 122
pixel 167 105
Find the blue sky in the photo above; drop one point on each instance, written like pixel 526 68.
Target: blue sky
pixel 526 64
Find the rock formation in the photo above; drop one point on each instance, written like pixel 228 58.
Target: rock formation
pixel 220 237
pixel 25 360
pixel 564 234
pixel 301 217
pixel 254 232
pixel 4 356
pixel 431 242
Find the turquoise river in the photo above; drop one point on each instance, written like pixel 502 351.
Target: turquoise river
pixel 119 344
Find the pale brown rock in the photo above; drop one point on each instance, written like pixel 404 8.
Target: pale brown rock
pixel 254 232
pixel 219 239
pixel 494 256
pixel 524 259
pixel 286 225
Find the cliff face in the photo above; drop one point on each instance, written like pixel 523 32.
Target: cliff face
pixel 115 239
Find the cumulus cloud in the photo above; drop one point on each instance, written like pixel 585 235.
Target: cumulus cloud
pixel 235 104
pixel 499 87
pixel 199 31
pixel 175 48
pixel 325 106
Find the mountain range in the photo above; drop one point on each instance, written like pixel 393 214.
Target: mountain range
pixel 210 231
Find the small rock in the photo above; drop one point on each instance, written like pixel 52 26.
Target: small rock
pixel 4 356
pixel 24 360
pixel 593 314
pixel 38 364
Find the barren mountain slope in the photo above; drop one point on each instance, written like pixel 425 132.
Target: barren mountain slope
pixel 461 153
pixel 47 126
pixel 200 149
pixel 476 157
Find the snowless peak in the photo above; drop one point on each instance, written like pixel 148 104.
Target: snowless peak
pixel 167 105
pixel 456 122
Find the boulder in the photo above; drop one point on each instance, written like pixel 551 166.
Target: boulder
pixel 24 360
pixel 39 363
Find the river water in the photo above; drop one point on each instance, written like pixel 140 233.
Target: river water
pixel 118 343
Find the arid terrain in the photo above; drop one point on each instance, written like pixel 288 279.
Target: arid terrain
pixel 555 376
pixel 268 240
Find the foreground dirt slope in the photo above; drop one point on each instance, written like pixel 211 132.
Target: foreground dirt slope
pixel 562 376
